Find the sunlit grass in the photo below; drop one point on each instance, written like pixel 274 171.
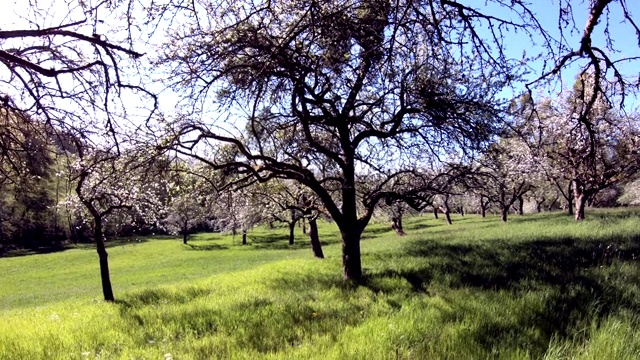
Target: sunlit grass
pixel 540 286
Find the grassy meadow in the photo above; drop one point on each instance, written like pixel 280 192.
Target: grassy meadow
pixel 538 287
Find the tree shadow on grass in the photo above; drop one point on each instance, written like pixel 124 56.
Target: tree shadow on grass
pixel 278 241
pixel 548 217
pixel 419 226
pixel 207 247
pixel 502 265
pixel 570 272
pixel 110 243
pixel 34 251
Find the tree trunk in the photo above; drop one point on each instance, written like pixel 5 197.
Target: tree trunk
pixel 520 205
pixel 447 215
pixel 435 212
pixel 350 227
pixel 315 240
pixel 504 210
pixel 461 210
pixel 484 205
pixel 185 233
pixel 351 261
pixel 396 224
pixel 107 290
pixel 570 198
pixel 244 236
pixel 580 199
pixel 580 204
pixel 447 210
pixel 292 228
pixel 304 226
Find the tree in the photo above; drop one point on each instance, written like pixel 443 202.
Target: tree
pixel 239 209
pixel 189 201
pixel 32 180
pixel 369 88
pixel 107 183
pixel 504 175
pixel 441 203
pixel 592 151
pixel 280 200
pixel 395 212
pixel 631 194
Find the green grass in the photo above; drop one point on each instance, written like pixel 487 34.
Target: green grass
pixel 540 286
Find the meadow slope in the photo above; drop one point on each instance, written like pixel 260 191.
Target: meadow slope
pixel 540 286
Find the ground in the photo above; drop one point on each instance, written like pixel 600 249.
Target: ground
pixel 540 286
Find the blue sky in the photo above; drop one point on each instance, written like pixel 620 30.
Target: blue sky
pixel 624 39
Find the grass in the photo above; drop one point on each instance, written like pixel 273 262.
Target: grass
pixel 538 287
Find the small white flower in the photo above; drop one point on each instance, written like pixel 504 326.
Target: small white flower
pixel 167 356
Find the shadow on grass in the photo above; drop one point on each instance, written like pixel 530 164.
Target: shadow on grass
pixel 276 241
pixel 503 265
pixel 34 251
pixel 82 246
pixel 207 247
pixel 578 281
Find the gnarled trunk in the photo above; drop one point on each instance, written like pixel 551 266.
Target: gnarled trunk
pixel 447 215
pixel 435 211
pixel 315 239
pixel 107 290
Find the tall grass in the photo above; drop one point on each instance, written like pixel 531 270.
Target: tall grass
pixel 540 286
